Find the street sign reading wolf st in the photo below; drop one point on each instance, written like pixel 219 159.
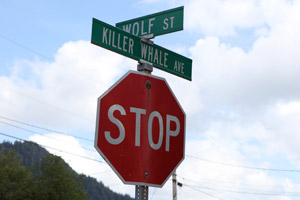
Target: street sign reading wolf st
pixel 157 24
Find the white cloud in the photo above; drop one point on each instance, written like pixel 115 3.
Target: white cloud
pixel 222 18
pixel 291 109
pixel 268 72
pixel 226 18
pixel 71 151
pixel 62 93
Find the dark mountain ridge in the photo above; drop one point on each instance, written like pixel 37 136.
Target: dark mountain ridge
pixel 32 156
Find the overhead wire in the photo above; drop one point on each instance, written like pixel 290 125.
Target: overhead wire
pixel 81 156
pixel 206 193
pixel 48 58
pixel 47 136
pixel 262 193
pixel 245 167
pixel 24 47
pixel 50 105
pixel 153 193
pixel 222 193
pixel 228 183
pixel 190 156
pixel 46 129
pixel 195 187
pixel 246 191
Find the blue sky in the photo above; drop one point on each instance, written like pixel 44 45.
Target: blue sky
pixel 242 106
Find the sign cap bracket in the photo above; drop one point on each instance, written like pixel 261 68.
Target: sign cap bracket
pixel 145 66
pixel 146 39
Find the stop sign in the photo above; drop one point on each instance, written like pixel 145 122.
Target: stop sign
pixel 140 129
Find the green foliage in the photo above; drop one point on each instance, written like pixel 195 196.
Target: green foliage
pixel 28 171
pixel 96 190
pixel 15 180
pixel 54 181
pixel 30 153
pixel 57 181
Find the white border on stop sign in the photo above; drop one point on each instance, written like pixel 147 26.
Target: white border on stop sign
pixel 97 125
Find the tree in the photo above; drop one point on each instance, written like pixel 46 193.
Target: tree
pixel 57 181
pixel 15 180
pixel 37 175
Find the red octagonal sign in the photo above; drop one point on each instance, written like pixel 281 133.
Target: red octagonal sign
pixel 140 129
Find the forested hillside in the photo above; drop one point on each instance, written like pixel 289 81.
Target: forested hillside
pixel 28 171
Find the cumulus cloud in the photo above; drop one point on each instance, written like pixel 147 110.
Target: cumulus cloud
pixel 62 92
pixel 72 152
pixel 250 95
pixel 222 18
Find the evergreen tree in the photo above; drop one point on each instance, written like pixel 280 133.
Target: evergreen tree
pixel 57 181
pixel 15 180
pixel 28 171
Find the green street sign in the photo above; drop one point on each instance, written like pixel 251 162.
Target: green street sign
pixel 122 42
pixel 157 24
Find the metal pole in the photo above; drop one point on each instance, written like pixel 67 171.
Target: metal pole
pixel 141 191
pixel 174 186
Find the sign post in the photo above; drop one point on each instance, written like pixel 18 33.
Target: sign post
pixel 140 126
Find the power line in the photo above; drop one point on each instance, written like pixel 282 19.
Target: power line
pixel 206 193
pixel 261 193
pixel 211 181
pixel 194 157
pixel 46 129
pixel 195 187
pixel 20 139
pixel 48 58
pixel 101 172
pixel 24 129
pixel 50 105
pixel 90 140
pixel 153 193
pixel 214 190
pixel 24 47
pixel 245 167
pixel 245 191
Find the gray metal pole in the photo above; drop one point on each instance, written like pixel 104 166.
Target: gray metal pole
pixel 174 186
pixel 141 191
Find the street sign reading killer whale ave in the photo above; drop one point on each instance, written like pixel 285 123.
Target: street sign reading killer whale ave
pixel 124 43
pixel 157 24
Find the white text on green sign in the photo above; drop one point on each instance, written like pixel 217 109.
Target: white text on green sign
pixel 124 43
pixel 157 24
